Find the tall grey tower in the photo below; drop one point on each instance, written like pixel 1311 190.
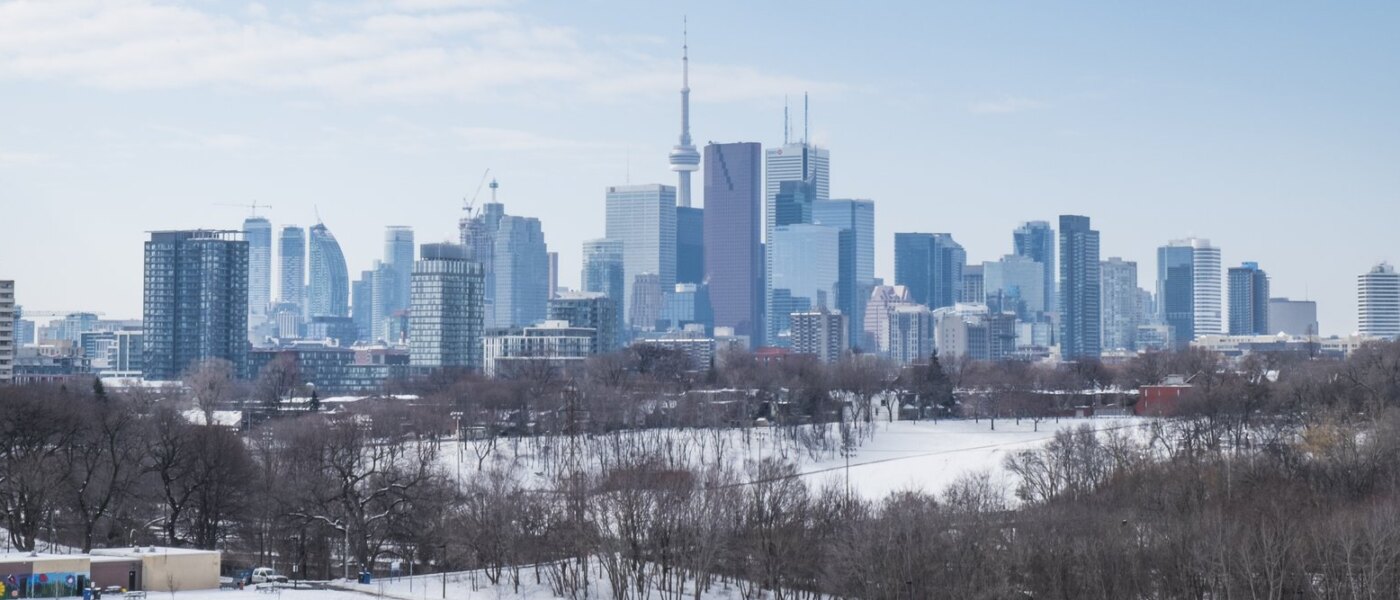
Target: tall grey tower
pixel 685 159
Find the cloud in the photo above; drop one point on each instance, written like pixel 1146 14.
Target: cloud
pixel 494 139
pixel 8 158
pixel 373 50
pixel 1006 105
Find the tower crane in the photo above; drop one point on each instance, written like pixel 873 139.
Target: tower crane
pixel 252 206
pixel 470 205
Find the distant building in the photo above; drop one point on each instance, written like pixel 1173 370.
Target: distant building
pixel 1154 338
pixel 646 302
pixel 553 275
pixel 291 251
pixel 340 330
pixel 974 285
pixel 125 354
pixel 551 346
pixel 8 324
pixel 591 310
pixel 1017 283
pixel 398 260
pixel 733 246
pixel 195 303
pixel 521 271
pixel 446 312
pixel 799 162
pixel 1176 284
pixel 643 219
pixel 856 220
pixel 362 306
pixel 701 349
pixel 820 333
pixel 883 300
pixel 1378 302
pixel 1080 318
pixel 333 370
pixel 930 265
pixel 38 365
pixel 258 232
pixel 328 293
pixel 910 333
pixel 804 276
pixel 1035 240
pixel 603 273
pixel 690 245
pixel 1249 300
pixel 1120 303
pixel 688 304
pixel 1293 317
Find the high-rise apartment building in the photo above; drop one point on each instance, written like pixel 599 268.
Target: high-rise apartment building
pixel 820 333
pixel 8 324
pixel 291 252
pixel 1016 282
pixel 195 303
pixel 930 265
pixel 1249 300
pixel 1378 302
pixel 805 275
pixel 733 248
pixel 974 285
pixel 1293 317
pixel 910 333
pixel 521 272
pixel 1120 303
pixel 478 234
pixel 258 232
pixel 398 256
pixel 1036 240
pixel 553 289
pixel 362 306
pixel 646 302
pixel 1080 314
pixel 592 310
pixel 1176 285
pixel 328 293
pixel 603 273
pixel 856 219
pixel 445 313
pixel 883 300
pixel 1210 314
pixel 643 219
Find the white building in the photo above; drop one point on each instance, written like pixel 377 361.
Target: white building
pixel 1378 302
pixel 910 330
pixel 550 345
pixel 821 333
pixel 1206 296
pixel 883 299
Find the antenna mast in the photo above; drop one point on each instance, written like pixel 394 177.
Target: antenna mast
pixel 804 118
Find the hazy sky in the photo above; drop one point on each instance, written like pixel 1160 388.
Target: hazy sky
pixel 1273 129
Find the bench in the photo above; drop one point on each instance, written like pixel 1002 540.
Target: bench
pixel 134 595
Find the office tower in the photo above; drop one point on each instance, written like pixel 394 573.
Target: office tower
pixel 195 301
pixel 445 311
pixel 910 333
pixel 799 161
pixel 1176 284
pixel 974 285
pixel 362 306
pixel 733 249
pixel 258 232
pixel 646 302
pixel 930 265
pixel 553 288
pixel 1293 317
pixel 291 251
pixel 684 158
pixel 521 272
pixel 1249 300
pixel 602 273
pixel 1036 240
pixel 398 256
pixel 883 299
pixel 384 287
pixel 1079 289
pixel 805 275
pixel 1378 302
pixel 8 325
pixel 643 219
pixel 593 310
pixel 857 219
pixel 1016 283
pixel 820 333
pixel 328 293
pixel 1120 303
pixel 690 245
pixel 792 205
pixel 688 304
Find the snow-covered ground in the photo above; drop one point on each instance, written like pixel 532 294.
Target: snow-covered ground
pixel 900 455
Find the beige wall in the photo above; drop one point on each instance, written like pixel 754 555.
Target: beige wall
pixel 180 571
pixel 45 564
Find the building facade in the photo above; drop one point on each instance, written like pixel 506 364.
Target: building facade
pixel 910 333
pixel 1378 302
pixel 258 232
pixel 690 244
pixel 521 272
pixel 8 325
pixel 551 346
pixel 291 260
pixel 883 300
pixel 856 220
pixel 589 310
pixel 446 309
pixel 820 333
pixel 930 265
pixel 1036 240
pixel 1293 317
pixel 1249 300
pixel 195 301
pixel 1016 283
pixel 1120 303
pixel 1080 314
pixel 733 247
pixel 398 257
pixel 1176 284
pixel 643 219
pixel 805 275
pixel 328 293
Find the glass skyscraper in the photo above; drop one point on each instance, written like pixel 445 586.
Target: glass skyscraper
pixel 1378 302
pixel 733 248
pixel 690 244
pixel 445 314
pixel 930 265
pixel 258 232
pixel 328 294
pixel 195 303
pixel 1080 312
pixel 362 306
pixel 794 162
pixel 521 272
pixel 291 251
pixel 602 273
pixel 643 219
pixel 1249 300
pixel 857 219
pixel 1018 283
pixel 398 255
pixel 1176 284
pixel 1036 240
pixel 805 276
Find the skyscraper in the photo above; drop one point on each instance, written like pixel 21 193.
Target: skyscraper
pixel 1120 303
pixel 1293 317
pixel 521 272
pixel 592 310
pixel 258 232
pixel 930 265
pixel 8 326
pixel 909 329
pixel 1017 283
pixel 362 306
pixel 1249 300
pixel 1378 302
pixel 478 234
pixel 805 275
pixel 684 158
pixel 643 219
pixel 445 315
pixel 733 249
pixel 1176 296
pixel 857 219
pixel 1036 240
pixel 1207 298
pixel 195 303
pixel 553 288
pixel 603 273
pixel 820 333
pixel 328 294
pixel 384 286
pixel 799 161
pixel 883 299
pixel 291 249
pixel 398 256
pixel 690 245
pixel 1079 289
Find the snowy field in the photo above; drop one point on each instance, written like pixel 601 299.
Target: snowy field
pixel 900 455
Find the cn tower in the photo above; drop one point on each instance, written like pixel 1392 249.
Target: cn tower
pixel 684 158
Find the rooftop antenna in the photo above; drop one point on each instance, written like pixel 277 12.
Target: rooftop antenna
pixel 787 122
pixel 804 118
pixel 252 206
pixel 494 187
pixel 317 209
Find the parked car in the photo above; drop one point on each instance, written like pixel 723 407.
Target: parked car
pixel 266 575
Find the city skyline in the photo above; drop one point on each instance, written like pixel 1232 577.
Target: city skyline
pixel 123 162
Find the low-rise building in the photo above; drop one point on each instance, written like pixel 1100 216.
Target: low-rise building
pixel 549 345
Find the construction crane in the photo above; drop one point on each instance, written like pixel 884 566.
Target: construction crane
pixel 253 206
pixel 470 205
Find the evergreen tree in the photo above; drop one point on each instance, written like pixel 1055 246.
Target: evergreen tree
pixel 315 401
pixel 98 390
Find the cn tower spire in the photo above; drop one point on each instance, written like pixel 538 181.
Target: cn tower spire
pixel 684 157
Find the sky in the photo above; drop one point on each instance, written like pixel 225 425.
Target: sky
pixel 1270 128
